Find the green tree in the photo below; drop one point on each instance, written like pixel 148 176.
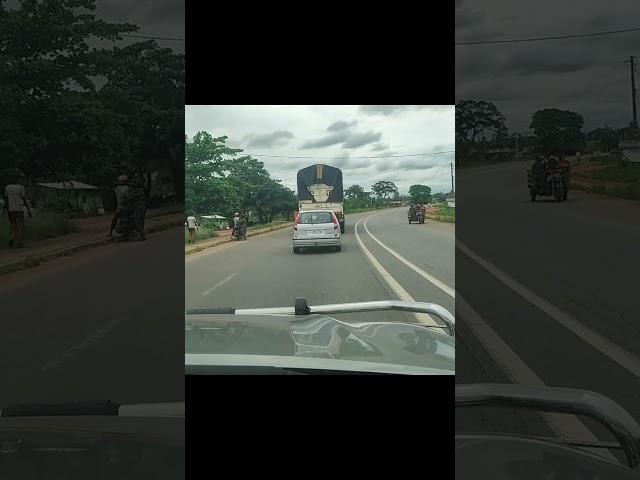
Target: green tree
pixel 355 192
pixel 72 110
pixel 219 181
pixel 479 120
pixel 420 193
pixel 384 189
pixel 439 197
pixel 558 131
pixel 605 137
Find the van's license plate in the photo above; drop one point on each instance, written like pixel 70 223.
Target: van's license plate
pixel 317 232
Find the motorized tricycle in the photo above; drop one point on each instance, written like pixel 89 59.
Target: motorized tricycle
pixel 416 215
pixel 551 182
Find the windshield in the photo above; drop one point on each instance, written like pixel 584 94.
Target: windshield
pixel 372 254
pixel 315 217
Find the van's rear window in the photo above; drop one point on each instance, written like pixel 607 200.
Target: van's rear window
pixel 316 217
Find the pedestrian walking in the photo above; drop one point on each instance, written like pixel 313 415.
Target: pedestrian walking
pixel 192 225
pixel 121 218
pixel 15 201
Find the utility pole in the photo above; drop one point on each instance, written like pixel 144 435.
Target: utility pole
pixel 634 121
pixel 452 187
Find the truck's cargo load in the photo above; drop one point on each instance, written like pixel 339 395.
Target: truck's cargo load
pixel 311 180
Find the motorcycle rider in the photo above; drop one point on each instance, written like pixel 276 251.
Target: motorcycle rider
pixel 412 211
pixel 236 224
pixel 539 169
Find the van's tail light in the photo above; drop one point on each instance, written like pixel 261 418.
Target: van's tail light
pixel 335 222
pixel 296 222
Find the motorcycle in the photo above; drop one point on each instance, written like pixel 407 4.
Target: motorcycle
pixel 510 455
pixel 239 233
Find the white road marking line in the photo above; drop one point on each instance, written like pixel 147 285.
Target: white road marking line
pixel 402 294
pixel 220 283
pixel 89 340
pixel 605 346
pixel 565 426
pixel 442 286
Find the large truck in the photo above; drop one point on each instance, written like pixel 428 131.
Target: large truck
pixel 320 186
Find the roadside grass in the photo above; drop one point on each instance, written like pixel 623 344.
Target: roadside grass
pixel 446 214
pixel 42 226
pixel 203 233
pixel 276 221
pixel 620 174
pixel 613 178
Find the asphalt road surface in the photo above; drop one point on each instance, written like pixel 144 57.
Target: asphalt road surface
pixel 264 271
pixel 547 294
pixel 104 324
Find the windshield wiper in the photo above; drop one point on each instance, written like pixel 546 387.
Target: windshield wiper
pixel 301 308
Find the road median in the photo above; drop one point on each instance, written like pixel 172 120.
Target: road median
pixel 28 260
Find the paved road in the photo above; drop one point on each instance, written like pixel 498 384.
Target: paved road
pixel 103 324
pixel 264 271
pixel 574 322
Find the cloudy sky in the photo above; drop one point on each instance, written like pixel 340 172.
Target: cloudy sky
pixel 586 75
pixel 343 133
pixel 156 18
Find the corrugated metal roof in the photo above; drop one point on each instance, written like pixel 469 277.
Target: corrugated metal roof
pixel 70 185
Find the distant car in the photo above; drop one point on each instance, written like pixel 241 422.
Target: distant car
pixel 316 228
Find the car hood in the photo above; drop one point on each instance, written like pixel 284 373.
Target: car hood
pixel 320 336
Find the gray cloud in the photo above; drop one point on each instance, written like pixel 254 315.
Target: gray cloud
pixel 601 21
pixel 268 140
pixel 382 109
pixel 387 110
pixel 385 166
pixel 360 139
pixel 341 132
pixel 341 125
pixel 415 164
pixel 467 17
pixel 327 141
pixel 379 147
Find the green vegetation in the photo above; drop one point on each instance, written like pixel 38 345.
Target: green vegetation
pixel 420 194
pixel 71 110
pixel 444 214
pixel 218 181
pixel 203 233
pixel 628 192
pixel 41 226
pixel 619 174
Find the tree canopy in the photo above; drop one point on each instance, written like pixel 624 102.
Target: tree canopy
pixel 420 193
pixel 385 189
pixel 558 131
pixel 479 120
pixel 73 110
pixel 219 180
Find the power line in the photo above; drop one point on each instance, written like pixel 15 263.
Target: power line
pixel 353 158
pixel 555 37
pixel 145 37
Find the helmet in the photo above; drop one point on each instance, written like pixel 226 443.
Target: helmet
pixel 123 178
